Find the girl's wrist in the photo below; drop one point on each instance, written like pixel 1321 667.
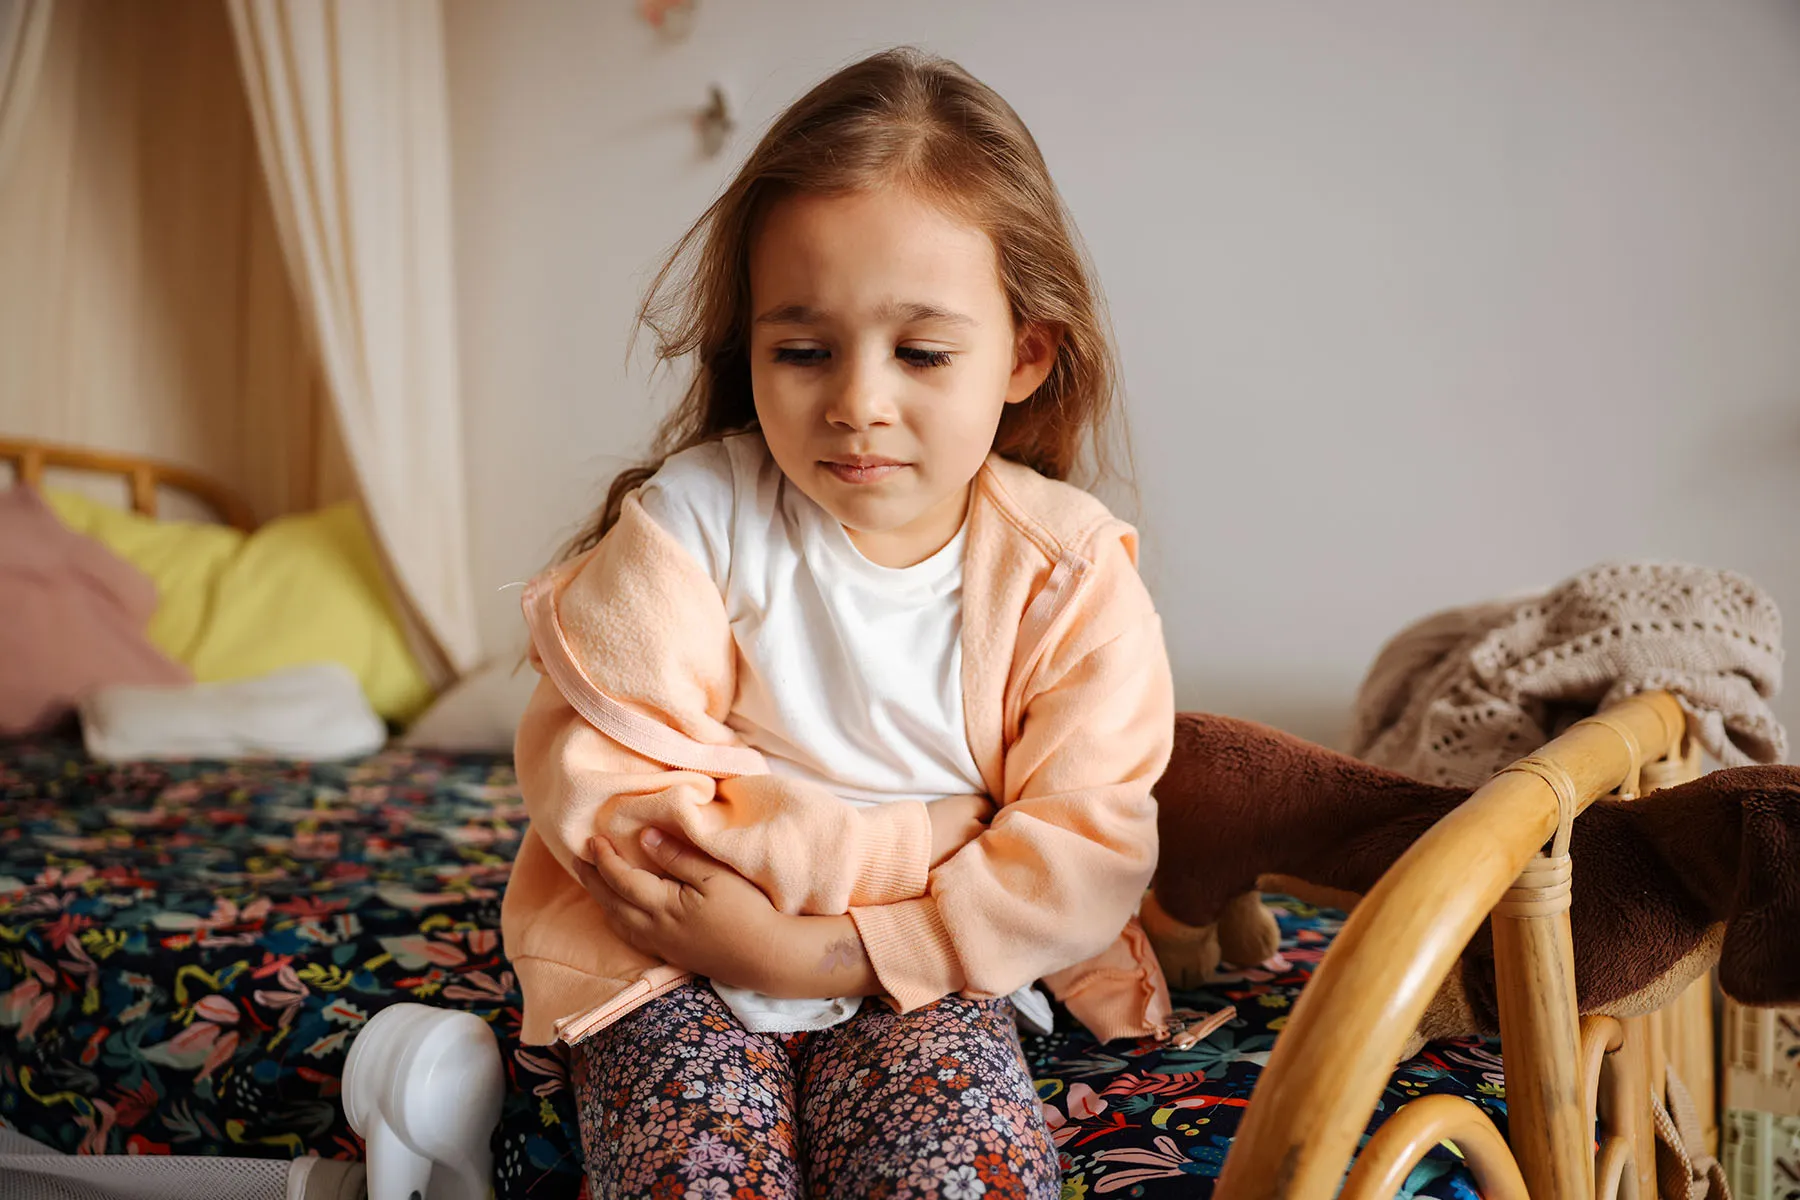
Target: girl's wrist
pixel 818 957
pixel 775 937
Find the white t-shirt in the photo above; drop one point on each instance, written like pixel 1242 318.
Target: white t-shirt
pixel 849 673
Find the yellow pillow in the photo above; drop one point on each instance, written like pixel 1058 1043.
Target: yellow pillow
pixel 183 558
pixel 302 589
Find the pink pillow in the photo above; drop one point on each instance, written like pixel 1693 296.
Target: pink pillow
pixel 72 617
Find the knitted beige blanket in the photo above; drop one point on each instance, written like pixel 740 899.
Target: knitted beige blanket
pixel 1456 696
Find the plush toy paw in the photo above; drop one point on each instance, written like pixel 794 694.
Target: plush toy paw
pixel 1189 954
pixel 1248 934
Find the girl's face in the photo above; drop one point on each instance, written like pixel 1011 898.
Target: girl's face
pixel 882 353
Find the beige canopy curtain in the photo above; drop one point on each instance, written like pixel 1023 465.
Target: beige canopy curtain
pixel 349 104
pixel 145 307
pixel 24 29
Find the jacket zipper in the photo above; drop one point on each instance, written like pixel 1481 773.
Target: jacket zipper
pixel 1066 581
pixel 576 1028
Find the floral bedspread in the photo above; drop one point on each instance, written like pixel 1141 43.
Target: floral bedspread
pixel 187 950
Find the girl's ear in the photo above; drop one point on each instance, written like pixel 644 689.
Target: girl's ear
pixel 1033 356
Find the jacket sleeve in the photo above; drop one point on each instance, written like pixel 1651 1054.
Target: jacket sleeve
pixel 1064 865
pixel 627 730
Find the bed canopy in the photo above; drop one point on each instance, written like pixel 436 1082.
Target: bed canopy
pixel 226 225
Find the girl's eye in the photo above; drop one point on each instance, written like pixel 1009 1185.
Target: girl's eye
pixel 801 356
pixel 919 357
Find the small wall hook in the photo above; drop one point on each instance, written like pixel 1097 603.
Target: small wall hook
pixel 714 122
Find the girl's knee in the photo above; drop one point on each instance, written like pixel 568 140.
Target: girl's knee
pixel 926 1166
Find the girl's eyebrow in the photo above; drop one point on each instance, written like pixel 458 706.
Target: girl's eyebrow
pixel 801 314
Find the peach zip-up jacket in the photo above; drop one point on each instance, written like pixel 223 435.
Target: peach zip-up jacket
pixel 1069 709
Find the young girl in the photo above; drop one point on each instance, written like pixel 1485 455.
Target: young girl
pixel 851 710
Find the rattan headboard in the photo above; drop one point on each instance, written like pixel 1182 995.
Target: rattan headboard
pixel 144 475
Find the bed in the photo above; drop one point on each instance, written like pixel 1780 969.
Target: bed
pixel 188 950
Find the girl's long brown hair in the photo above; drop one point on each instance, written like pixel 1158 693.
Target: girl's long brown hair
pixel 908 119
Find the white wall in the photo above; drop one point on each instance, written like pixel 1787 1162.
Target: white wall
pixel 1419 302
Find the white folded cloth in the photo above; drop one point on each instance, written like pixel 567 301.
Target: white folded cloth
pixel 317 711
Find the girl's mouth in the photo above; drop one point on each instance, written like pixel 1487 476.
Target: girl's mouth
pixel 861 468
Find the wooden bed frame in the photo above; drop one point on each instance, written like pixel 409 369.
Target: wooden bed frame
pixel 144 476
pixel 1501 853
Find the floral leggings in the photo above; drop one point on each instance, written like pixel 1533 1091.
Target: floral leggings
pixel 679 1102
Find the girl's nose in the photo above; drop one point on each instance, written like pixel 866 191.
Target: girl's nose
pixel 862 398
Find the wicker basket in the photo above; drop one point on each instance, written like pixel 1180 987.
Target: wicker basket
pixel 1762 1101
pixel 1762 1059
pixel 1762 1155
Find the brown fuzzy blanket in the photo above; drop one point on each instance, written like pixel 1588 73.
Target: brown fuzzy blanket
pixel 1666 886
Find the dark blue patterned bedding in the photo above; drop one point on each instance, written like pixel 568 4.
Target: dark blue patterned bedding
pixel 187 950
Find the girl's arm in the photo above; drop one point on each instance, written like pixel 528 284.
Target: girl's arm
pixel 820 956
pixel 642 625
pixel 700 915
pixel 1050 883
pixel 1063 866
pixel 814 956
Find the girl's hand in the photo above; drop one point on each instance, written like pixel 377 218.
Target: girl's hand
pixel 955 822
pixel 704 917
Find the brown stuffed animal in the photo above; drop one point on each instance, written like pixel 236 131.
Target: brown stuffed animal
pixel 1666 886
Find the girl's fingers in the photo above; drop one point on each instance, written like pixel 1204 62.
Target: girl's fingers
pixel 639 889
pixel 628 921
pixel 596 886
pixel 679 860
